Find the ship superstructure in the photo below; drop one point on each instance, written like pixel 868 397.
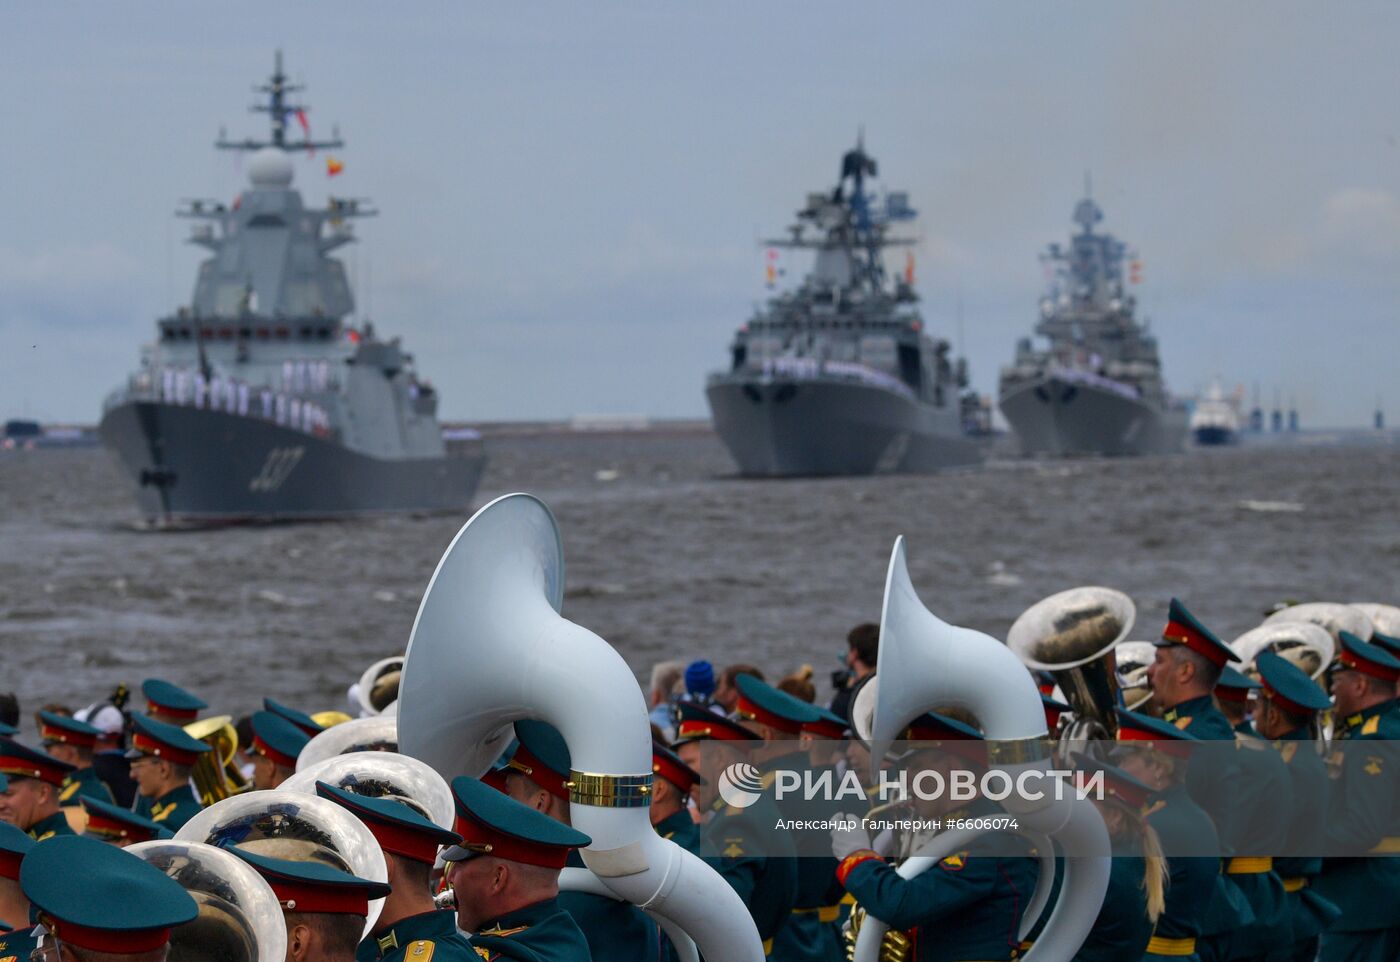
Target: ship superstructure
pixel 259 400
pixel 839 376
pixel 1096 385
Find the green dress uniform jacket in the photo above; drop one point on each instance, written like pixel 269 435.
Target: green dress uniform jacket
pixel 83 783
pixel 681 829
pixel 542 932
pixel 1183 827
pixel 428 937
pixel 613 928
pixel 1309 911
pixel 966 907
pixel 812 933
pixel 1364 819
pixel 1122 929
pixel 1264 791
pixel 758 862
pixel 173 809
pixel 55 824
pixel 16 945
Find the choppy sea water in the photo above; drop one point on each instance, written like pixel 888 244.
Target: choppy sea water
pixel 669 556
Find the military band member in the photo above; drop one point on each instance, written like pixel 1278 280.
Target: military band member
pixel 969 905
pixel 506 876
pixel 537 776
pixel 276 745
pixel 323 908
pixel 301 719
pixel 410 927
pixel 738 843
pixel 108 822
pixel 1137 880
pixel 73 742
pixel 826 740
pixel 162 757
pixel 1053 710
pixel 15 939
pixel 94 901
pixel 30 797
pixel 170 703
pixel 777 717
pixel 1232 694
pixel 670 798
pixel 1158 754
pixel 1363 821
pixel 1286 713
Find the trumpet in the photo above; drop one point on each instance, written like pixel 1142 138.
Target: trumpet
pixel 216 775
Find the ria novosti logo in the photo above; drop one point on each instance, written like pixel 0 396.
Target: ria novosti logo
pixel 740 785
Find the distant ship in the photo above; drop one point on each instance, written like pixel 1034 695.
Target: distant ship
pixel 1216 419
pixel 258 401
pixel 839 377
pixel 1097 387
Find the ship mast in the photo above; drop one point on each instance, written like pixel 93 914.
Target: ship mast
pixel 278 110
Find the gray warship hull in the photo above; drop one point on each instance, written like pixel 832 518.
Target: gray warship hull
pixel 212 467
pixel 813 427
pixel 1051 416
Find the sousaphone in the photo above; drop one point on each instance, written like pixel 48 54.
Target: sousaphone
pixel 1385 619
pixel 1132 658
pixel 1306 644
pixel 1330 615
pixel 382 775
pixel 377 734
pixel 378 687
pixel 240 919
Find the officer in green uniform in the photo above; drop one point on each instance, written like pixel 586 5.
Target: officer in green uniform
pixel 969 905
pixel 1189 662
pixel 30 798
pixel 739 842
pixel 670 798
pixel 109 822
pixel 1158 754
pixel 276 745
pixel 410 927
pixel 1134 900
pixel 323 908
pixel 162 757
pixel 169 703
pixel 506 876
pixel 1361 871
pixel 777 718
pixel 298 718
pixel 1232 693
pixel 88 895
pixel 15 939
pixel 826 739
pixel 1286 712
pixel 73 741
pixel 536 776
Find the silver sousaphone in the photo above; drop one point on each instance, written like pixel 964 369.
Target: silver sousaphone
pixel 378 687
pixel 377 734
pixel 1132 659
pixel 293 826
pixel 1330 615
pixel 1306 644
pixel 383 775
pixel 240 919
pixel 1385 619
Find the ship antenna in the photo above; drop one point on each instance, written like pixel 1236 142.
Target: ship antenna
pixel 278 109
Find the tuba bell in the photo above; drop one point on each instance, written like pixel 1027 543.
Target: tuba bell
pixel 378 687
pixel 1385 619
pixel 1330 615
pixel 1072 634
pixel 382 775
pixel 1131 659
pixel 926 662
pixel 1306 644
pixel 294 826
pixel 489 647
pixel 240 918
pixel 377 734
pixel 215 774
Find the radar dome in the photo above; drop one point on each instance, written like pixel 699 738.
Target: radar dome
pixel 270 168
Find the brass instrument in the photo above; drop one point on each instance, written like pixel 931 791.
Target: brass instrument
pixel 1305 643
pixel 895 945
pixel 1072 634
pixel 1385 619
pixel 1330 615
pixel 216 775
pixel 1132 659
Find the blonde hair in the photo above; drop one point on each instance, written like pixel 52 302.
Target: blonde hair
pixel 1154 876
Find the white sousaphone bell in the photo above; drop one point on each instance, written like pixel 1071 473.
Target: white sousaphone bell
pixel 379 733
pixel 926 662
pixel 296 827
pixel 383 775
pixel 1385 619
pixel 1132 659
pixel 488 648
pixel 240 919
pixel 1307 644
pixel 378 687
pixel 1330 615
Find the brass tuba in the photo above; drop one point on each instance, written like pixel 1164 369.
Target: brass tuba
pixel 378 687
pixel 1306 644
pixel 489 647
pixel 240 918
pixel 1385 619
pixel 1072 634
pixel 1335 617
pixel 216 775
pixel 377 734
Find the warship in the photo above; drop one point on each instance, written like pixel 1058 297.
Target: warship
pixel 1097 388
pixel 260 400
pixel 838 376
pixel 1216 418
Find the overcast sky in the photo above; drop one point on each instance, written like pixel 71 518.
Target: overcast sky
pixel 572 194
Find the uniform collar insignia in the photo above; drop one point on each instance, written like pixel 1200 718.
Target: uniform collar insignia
pixel 387 942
